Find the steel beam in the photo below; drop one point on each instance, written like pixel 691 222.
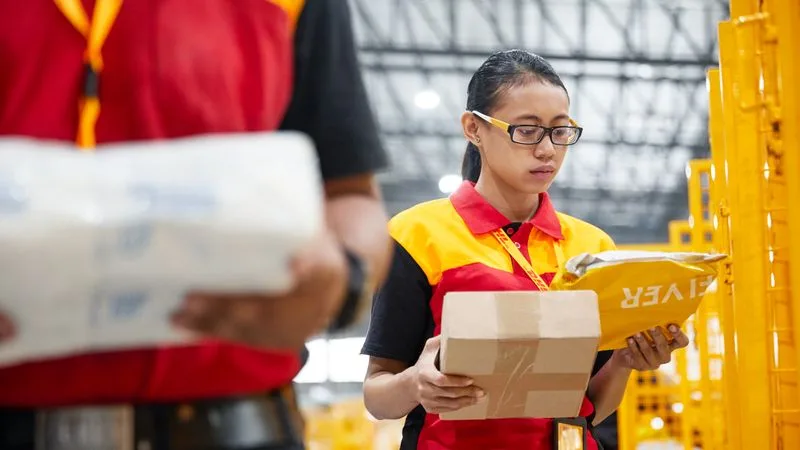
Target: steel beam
pixel 419 51
pixel 436 37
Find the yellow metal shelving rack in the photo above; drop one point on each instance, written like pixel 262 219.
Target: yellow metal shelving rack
pixel 739 383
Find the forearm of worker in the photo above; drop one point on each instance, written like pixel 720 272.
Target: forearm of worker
pixel 607 388
pixel 389 395
pixel 355 214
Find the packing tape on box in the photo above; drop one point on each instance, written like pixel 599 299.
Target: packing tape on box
pixel 524 388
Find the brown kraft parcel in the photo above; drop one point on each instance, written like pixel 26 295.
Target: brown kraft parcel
pixel 531 352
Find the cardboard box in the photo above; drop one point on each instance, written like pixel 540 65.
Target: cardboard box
pixel 532 352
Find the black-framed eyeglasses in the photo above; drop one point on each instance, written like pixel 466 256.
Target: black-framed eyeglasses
pixel 533 134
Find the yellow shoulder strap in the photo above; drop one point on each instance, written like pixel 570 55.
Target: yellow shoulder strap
pixel 95 32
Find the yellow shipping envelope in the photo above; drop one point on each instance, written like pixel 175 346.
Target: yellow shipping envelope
pixel 640 290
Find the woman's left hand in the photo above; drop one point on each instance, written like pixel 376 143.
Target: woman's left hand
pixel 643 354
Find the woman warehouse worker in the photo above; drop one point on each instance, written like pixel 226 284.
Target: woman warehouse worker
pixel 519 129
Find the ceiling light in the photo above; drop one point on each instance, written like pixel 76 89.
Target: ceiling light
pixel 645 71
pixel 427 99
pixel 449 183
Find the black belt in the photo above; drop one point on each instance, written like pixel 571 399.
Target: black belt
pixel 268 421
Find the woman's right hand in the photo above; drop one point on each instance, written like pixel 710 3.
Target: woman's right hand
pixel 437 392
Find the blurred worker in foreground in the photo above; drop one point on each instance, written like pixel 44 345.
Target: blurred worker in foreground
pixel 173 68
pixel 519 129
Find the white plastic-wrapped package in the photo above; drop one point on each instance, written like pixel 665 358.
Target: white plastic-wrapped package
pixel 98 248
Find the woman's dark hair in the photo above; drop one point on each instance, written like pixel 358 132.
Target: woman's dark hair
pixel 503 70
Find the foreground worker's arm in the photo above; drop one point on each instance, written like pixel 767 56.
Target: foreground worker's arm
pixel 607 388
pixel 330 105
pixel 356 216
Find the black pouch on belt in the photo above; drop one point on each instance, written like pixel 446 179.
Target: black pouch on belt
pixel 569 434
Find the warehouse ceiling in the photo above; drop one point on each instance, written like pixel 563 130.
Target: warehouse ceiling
pixel 635 70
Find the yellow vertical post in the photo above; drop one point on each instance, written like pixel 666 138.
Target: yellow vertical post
pixel 748 236
pixel 696 171
pixel 719 218
pixel 743 7
pixel 782 304
pixel 757 39
pixel 786 16
pixel 699 180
